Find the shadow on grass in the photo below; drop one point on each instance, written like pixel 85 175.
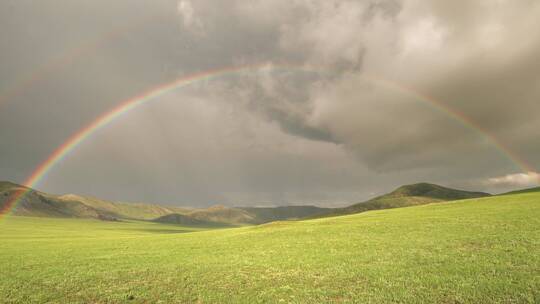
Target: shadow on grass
pixel 164 231
pixel 171 231
pixel 157 231
pixel 167 228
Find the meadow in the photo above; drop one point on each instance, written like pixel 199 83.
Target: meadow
pixel 471 251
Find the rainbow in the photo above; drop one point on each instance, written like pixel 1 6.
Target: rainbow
pixel 108 117
pixel 503 149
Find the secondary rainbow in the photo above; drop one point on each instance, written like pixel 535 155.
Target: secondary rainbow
pixel 152 95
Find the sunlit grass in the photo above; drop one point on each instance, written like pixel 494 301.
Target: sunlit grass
pixel 473 251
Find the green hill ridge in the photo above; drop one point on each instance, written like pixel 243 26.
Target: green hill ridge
pixel 409 195
pixel 41 204
pixel 467 251
pixel 36 203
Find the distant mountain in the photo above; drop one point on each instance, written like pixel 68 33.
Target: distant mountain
pixel 529 190
pixel 270 214
pixel 9 186
pixel 36 203
pixel 434 191
pixel 409 195
pixel 139 211
pixel 222 214
pixel 181 219
pixel 245 215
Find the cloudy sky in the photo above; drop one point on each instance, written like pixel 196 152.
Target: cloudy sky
pixel 339 112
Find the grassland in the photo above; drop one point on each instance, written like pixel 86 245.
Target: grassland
pixel 473 251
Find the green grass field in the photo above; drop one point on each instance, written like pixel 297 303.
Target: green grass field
pixel 473 251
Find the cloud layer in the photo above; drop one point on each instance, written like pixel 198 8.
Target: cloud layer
pixel 360 124
pixel 522 180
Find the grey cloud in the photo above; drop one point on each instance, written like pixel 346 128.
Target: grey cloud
pixel 480 80
pixel 269 135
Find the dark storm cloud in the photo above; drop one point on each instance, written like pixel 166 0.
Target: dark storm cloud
pixel 476 63
pixel 275 136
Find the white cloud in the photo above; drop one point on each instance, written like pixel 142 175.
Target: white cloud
pixel 459 53
pixel 528 179
pixel 187 12
pixel 423 35
pixel 323 32
pixel 282 131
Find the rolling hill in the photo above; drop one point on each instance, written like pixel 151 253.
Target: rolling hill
pixel 41 204
pixel 186 220
pixel 36 203
pixel 46 205
pixel 222 214
pixel 467 251
pixel 124 210
pixel 535 189
pixel 408 195
pixel 270 214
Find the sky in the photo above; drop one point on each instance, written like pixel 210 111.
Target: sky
pixel 351 99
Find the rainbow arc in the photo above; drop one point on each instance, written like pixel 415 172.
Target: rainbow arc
pixel 152 95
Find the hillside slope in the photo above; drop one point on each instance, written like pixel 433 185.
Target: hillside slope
pixel 124 210
pixel 36 203
pixel 41 204
pixel 528 190
pixel 471 251
pixel 409 195
pixel 270 214
pixel 222 214
pixel 181 219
